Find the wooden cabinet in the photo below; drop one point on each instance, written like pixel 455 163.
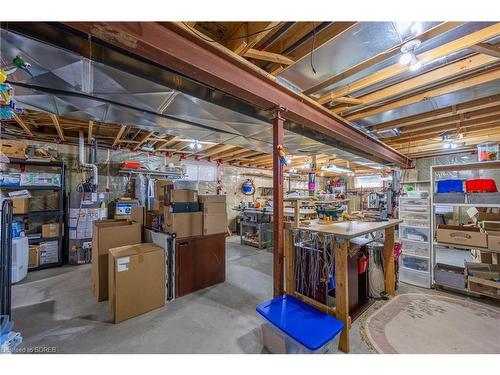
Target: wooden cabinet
pixel 200 263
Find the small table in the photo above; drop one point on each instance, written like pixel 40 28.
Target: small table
pixel 343 232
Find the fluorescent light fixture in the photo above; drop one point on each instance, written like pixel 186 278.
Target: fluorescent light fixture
pixel 335 168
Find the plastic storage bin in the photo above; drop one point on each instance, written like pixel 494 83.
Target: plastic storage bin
pixel 483 198
pixel 487 151
pixel 291 326
pixel 481 185
pixel 20 255
pixel 415 248
pixel 450 186
pixel 414 234
pixel 415 263
pixel 449 198
pixel 451 276
pixel 413 277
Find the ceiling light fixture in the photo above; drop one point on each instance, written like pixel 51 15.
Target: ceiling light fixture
pixel 335 168
pixel 409 56
pixel 416 28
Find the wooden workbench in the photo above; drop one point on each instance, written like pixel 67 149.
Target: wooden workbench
pixel 343 232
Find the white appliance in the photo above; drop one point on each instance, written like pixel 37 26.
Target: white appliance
pixel 20 254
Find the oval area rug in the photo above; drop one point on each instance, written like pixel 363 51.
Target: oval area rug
pixel 433 324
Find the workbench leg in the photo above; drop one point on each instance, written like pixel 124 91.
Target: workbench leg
pixel 342 292
pixel 390 277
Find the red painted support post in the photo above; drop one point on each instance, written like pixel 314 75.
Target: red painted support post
pixel 278 271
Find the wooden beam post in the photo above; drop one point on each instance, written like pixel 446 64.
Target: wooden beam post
pixel 278 276
pixel 342 291
pixel 390 277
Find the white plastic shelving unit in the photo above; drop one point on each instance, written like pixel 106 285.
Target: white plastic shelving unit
pixel 414 233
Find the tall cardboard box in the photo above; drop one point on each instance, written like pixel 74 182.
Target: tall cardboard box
pixel 162 189
pixel 185 224
pixel 136 280
pixel 20 205
pixel 181 196
pixel 108 234
pixel 214 214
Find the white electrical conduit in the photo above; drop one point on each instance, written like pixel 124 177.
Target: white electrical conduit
pixel 83 164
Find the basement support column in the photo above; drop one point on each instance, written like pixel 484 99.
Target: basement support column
pixel 278 271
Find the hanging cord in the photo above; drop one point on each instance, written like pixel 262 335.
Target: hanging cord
pixel 312 47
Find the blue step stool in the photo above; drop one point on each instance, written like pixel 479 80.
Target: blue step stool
pixel 292 326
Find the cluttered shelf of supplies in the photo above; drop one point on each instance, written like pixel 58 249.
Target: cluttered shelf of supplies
pixel 465 227
pixel 37 193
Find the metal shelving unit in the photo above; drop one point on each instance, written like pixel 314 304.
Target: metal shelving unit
pixel 59 213
pixel 455 208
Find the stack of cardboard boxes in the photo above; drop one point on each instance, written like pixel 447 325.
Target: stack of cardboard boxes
pixel 214 214
pixel 129 273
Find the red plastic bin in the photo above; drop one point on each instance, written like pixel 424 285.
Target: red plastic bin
pixel 481 185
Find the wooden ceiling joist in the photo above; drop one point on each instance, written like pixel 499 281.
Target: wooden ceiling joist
pixel 435 76
pixel 487 49
pixel 429 94
pixel 89 135
pixel 23 125
pixel 241 43
pixel 425 57
pixel 119 135
pixel 143 141
pixel 268 56
pixel 57 125
pixel 460 108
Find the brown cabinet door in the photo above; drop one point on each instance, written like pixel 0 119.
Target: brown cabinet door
pixel 201 262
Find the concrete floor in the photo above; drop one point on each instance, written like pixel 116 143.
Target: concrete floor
pixel 55 309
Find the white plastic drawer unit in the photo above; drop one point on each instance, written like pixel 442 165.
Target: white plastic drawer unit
pixel 407 201
pixel 415 263
pixel 414 209
pixel 412 215
pixel 413 277
pixel 417 248
pixel 413 233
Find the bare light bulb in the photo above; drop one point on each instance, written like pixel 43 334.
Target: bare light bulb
pixel 415 64
pixel 405 58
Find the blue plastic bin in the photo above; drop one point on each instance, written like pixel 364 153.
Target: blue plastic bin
pixel 291 326
pixel 450 186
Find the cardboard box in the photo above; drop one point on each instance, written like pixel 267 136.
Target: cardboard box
pixel 136 280
pixel 138 215
pixel 162 188
pixel 13 149
pixel 213 224
pixel 212 198
pixel 459 235
pixel 34 256
pixel 181 196
pixel 151 220
pixel 20 205
pixel 108 234
pixel 50 230
pixel 187 224
pixel 213 208
pixel 49 252
pixel 492 229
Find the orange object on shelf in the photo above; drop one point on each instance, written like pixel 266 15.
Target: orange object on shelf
pixel 132 164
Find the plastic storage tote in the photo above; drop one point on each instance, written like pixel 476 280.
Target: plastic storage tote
pixel 291 326
pixel 415 248
pixel 481 185
pixel 416 223
pixel 449 198
pixel 413 277
pixel 415 263
pixel 414 234
pixel 483 198
pixel 451 276
pixel 487 151
pixel 450 186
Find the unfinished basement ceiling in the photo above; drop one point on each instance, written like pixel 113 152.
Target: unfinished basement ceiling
pixel 67 84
